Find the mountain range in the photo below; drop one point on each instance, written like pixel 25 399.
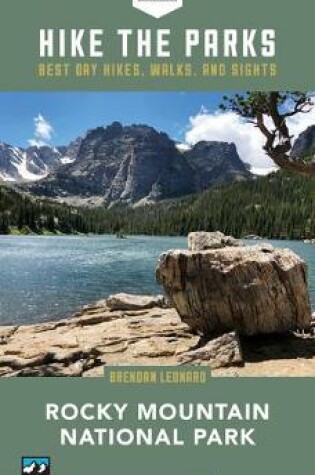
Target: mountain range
pixel 33 163
pixel 130 165
pixel 126 165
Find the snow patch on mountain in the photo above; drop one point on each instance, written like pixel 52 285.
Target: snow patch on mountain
pixel 66 160
pixel 35 162
pixel 24 173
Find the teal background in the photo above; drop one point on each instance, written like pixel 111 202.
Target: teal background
pixel 20 23
pixel 284 444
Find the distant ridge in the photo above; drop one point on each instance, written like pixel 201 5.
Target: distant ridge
pixel 131 165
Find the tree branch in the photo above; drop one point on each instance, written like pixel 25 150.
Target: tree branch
pixel 278 145
pixel 299 166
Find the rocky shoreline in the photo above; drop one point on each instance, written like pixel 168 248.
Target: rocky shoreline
pixel 243 311
pixel 139 330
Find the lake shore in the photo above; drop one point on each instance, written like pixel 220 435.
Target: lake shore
pixel 152 335
pixel 47 233
pixel 50 278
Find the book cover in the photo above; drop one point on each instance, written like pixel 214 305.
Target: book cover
pixel 157 231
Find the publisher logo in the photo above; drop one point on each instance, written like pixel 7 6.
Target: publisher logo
pixel 157 8
pixel 36 465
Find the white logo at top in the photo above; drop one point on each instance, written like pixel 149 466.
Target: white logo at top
pixel 157 8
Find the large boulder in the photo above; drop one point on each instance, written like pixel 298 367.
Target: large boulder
pixel 253 290
pixel 201 241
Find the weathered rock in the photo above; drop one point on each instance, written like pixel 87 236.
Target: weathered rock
pixel 253 290
pixel 134 302
pixel 155 347
pixel 202 241
pixel 82 345
pixel 224 351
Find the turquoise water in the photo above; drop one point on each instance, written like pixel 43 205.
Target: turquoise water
pixel 46 278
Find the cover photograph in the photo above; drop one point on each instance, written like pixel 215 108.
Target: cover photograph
pixel 157 238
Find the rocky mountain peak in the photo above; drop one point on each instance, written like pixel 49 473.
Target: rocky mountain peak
pixel 105 133
pixel 134 164
pixel 305 143
pixel 35 162
pixel 215 149
pixel 216 162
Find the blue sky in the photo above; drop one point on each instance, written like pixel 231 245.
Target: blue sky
pixel 72 113
pixel 27 461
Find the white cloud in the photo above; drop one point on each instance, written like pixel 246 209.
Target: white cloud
pixel 229 127
pixel 43 132
pixel 300 122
